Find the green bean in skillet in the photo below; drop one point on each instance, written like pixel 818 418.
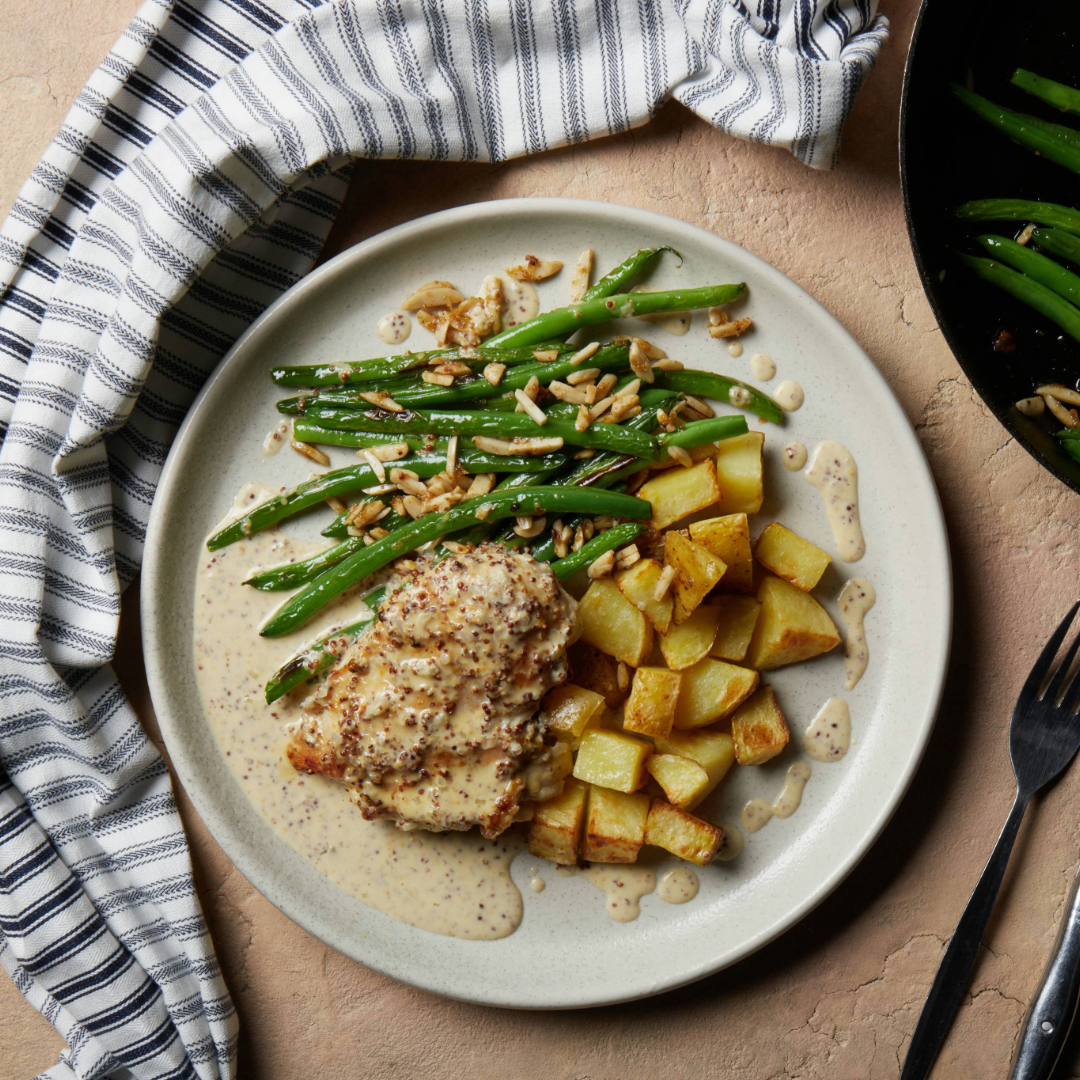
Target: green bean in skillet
pixel 1060 96
pixel 1062 244
pixel 1037 267
pixel 590 551
pixel 1042 213
pixel 313 597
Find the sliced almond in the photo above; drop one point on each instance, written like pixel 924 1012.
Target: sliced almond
pixel 382 399
pixel 583 354
pixel 579 283
pixel 731 329
pixel 312 453
pixel 534 269
pixel 1062 393
pixel 494 373
pixel 509 447
pixel 432 295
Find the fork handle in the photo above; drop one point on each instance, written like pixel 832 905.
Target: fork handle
pixel 955 971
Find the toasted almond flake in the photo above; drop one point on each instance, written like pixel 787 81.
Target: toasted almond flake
pixel 579 283
pixel 534 412
pixel 433 294
pixel 379 489
pixel 718 316
pixel 627 556
pixel 491 294
pixel 1062 393
pixel 653 352
pixel 604 386
pixel 639 363
pixel 397 475
pixel 591 393
pixel 483 511
pixel 1067 416
pixel 623 407
pixel 663 583
pixel 699 406
pixel 387 451
pixel 668 364
pixel 509 447
pixel 584 455
pixel 545 356
pixel 439 485
pixel 731 329
pixel 377 466
pixel 413 506
pixel 584 375
pixel 354 531
pixel 377 533
pixel 381 514
pixel 1031 406
pixel 681 456
pixel 630 389
pixel 602 566
pixel 382 399
pixel 451 456
pixel 336 505
pixel 453 367
pixel 445 501
pixel 1025 233
pixel 368 540
pixel 454 546
pixel 527 527
pixel 436 379
pixel 397 504
pixel 532 388
pixel 312 453
pixel 583 354
pixel 579 539
pixel 622 675
pixel 366 512
pixel 414 487
pixel 482 483
pixel 603 522
pixel 494 373
pixel 559 539
pixel 566 393
pixel 534 269
pixel 601 407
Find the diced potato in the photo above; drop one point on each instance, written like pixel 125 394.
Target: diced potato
pixel 738 472
pixel 610 622
pixel 759 729
pixel 792 626
pixel 651 708
pixel 738 617
pixel 791 557
pixel 638 585
pixel 612 759
pixel 569 708
pixel 681 833
pixel 714 751
pixel 683 781
pixel 555 832
pixel 696 572
pixel 614 825
pixel 594 670
pixel 710 691
pixel 676 493
pixel 688 642
pixel 728 538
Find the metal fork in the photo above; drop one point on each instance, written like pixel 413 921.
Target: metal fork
pixel 1043 739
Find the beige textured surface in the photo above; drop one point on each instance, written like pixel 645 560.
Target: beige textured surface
pixel 838 995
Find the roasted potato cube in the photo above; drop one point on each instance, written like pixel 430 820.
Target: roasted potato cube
pixel 555 832
pixel 569 708
pixel 710 691
pixel 681 833
pixel 714 751
pixel 738 617
pixel 738 472
pixel 696 572
pixel 594 670
pixel 638 585
pixel 612 759
pixel 614 826
pixel 791 626
pixel 791 557
pixel 728 538
pixel 610 622
pixel 676 493
pixel 682 780
pixel 651 708
pixel 691 640
pixel 759 729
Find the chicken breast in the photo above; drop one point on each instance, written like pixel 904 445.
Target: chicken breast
pixel 431 717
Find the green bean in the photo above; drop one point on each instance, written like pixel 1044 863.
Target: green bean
pixel 1045 301
pixel 496 425
pixel 1070 442
pixel 617 306
pixel 722 388
pixel 1055 142
pixel 293 575
pixel 311 599
pixel 425 395
pixel 388 367
pixel 323 653
pixel 1037 267
pixel 589 552
pixel 1042 213
pixel 339 528
pixel 1065 98
pixel 1058 242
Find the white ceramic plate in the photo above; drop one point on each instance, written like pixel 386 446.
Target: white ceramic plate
pixel 567 952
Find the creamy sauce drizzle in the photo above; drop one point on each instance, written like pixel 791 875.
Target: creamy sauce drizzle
pixel 622 885
pixel 537 884
pixel 276 438
pixel 732 844
pixel 789 396
pixel 834 473
pixel 522 302
pixel 454 883
pixel 394 328
pixel 794 456
pixel 735 348
pixel 857 597
pixel 762 367
pixel 678 886
pixel 758 812
pixel 829 734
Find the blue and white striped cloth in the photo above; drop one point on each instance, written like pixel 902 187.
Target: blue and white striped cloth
pixel 194 180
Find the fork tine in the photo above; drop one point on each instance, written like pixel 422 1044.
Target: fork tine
pixel 1046 657
pixel 1062 670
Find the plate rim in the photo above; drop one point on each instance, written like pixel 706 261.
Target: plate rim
pixel 230 838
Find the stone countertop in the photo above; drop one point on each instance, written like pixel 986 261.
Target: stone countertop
pixel 838 995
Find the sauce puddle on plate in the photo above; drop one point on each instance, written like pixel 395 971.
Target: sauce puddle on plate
pixel 857 597
pixel 757 813
pixel 829 734
pixel 834 473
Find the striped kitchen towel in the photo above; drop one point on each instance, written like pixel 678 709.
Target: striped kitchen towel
pixel 194 180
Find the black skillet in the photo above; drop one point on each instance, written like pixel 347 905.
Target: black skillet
pixel 948 156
